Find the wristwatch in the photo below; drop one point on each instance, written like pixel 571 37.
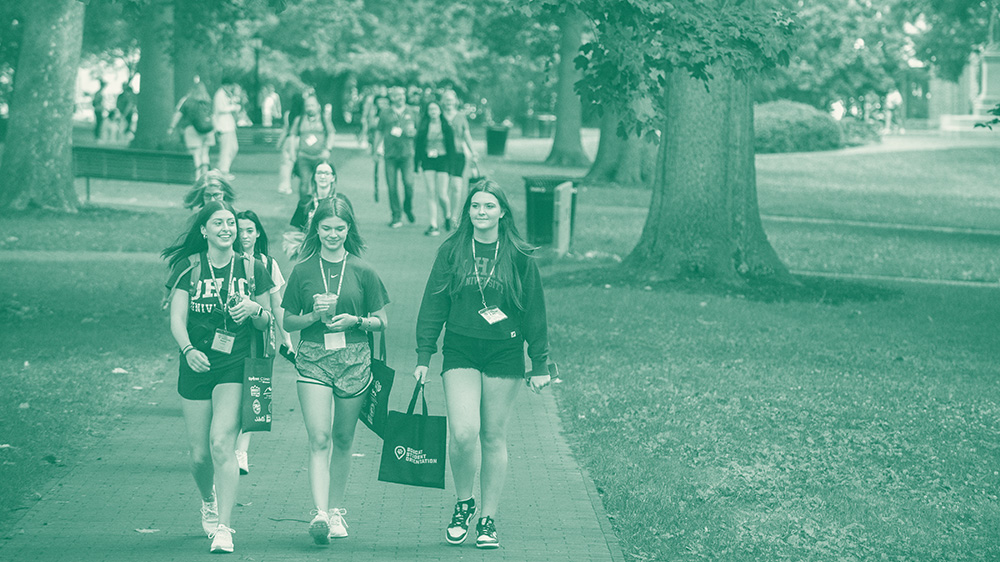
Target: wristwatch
pixel 357 325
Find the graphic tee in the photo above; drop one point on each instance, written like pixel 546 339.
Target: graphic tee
pixel 205 313
pixel 361 294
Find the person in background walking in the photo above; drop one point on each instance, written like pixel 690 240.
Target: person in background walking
pixel 210 303
pixel 434 146
pixel 394 136
pixel 270 106
pixel 254 241
pixel 323 186
pixel 98 104
pixel 486 290
pixel 226 105
pixel 194 110
pixel 289 143
pixel 211 186
pixel 463 148
pixel 314 132
pixel 126 105
pixel 334 297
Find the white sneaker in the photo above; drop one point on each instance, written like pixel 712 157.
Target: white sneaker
pixel 209 517
pixel 319 527
pixel 338 527
pixel 222 542
pixel 243 461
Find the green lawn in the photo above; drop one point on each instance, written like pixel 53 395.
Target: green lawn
pixel 837 421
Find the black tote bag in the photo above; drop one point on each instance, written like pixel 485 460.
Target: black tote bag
pixel 375 409
pixel 414 448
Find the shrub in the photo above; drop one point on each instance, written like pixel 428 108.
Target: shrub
pixel 786 126
pixel 858 132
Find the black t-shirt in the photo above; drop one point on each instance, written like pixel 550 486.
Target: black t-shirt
pixel 205 315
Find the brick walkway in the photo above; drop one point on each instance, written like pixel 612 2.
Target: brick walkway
pixel 131 496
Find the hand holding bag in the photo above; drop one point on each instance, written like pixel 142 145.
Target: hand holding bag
pixel 375 409
pixel 413 452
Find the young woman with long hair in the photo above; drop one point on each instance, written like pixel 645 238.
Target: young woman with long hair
pixel 254 240
pixel 485 289
pixel 434 147
pixel 210 305
pixel 334 298
pixel 211 186
pixel 322 186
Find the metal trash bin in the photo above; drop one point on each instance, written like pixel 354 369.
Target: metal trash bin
pixel 496 140
pixel 540 201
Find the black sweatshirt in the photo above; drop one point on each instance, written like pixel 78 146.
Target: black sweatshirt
pixel 461 310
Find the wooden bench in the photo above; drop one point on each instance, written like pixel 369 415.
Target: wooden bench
pixel 132 165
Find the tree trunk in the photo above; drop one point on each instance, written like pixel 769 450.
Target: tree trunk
pixel 567 148
pixel 703 219
pixel 192 48
pixel 155 103
pixel 626 162
pixel 37 166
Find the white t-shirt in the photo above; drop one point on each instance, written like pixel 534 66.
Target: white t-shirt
pixel 224 109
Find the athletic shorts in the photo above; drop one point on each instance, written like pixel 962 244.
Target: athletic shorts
pixel 436 164
pixel 199 386
pixel 493 358
pixel 456 167
pixel 347 371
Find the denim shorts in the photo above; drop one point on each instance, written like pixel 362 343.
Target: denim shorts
pixel 493 358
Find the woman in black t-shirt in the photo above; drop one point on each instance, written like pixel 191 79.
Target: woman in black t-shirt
pixel 210 303
pixel 334 298
pixel 485 289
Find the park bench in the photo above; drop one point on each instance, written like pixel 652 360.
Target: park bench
pixel 258 139
pixel 132 165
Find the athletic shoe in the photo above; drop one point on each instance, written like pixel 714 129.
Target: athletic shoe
pixel 209 517
pixel 458 529
pixel 285 190
pixel 396 224
pixel 338 527
pixel 432 231
pixel 243 461
pixel 486 533
pixel 222 542
pixel 319 527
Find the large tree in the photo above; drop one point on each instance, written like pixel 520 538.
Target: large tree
pixel 697 59
pixel 567 148
pixel 37 162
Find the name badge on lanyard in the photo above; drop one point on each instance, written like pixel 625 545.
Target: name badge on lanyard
pixel 396 131
pixel 334 340
pixel 492 314
pixel 223 341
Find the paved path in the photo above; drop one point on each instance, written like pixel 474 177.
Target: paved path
pixel 131 496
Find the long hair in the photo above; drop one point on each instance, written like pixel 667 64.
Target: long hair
pixel 420 143
pixel 191 241
pixel 458 245
pixel 260 248
pixel 314 188
pixel 195 197
pixel 338 206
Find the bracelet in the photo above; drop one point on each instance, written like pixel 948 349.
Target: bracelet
pixel 360 324
pixel 260 310
pixel 186 349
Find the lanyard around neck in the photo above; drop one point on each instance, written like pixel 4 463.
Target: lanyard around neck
pixel 475 267
pixel 340 282
pixel 211 271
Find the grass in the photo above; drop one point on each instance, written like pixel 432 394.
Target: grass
pixel 66 369
pixel 838 421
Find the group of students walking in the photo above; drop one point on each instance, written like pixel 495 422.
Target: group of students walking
pixel 484 291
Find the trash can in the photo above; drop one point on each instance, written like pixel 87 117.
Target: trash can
pixel 496 140
pixel 546 125
pixel 540 202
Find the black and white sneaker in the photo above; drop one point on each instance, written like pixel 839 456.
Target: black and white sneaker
pixel 486 533
pixel 458 529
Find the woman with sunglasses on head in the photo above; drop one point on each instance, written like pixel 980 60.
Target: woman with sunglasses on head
pixel 334 298
pixel 254 241
pixel 486 291
pixel 212 313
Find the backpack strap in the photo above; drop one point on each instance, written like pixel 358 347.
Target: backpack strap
pixel 194 266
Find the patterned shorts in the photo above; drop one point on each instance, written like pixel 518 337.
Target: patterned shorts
pixel 347 371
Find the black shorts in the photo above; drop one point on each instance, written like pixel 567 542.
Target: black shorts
pixel 436 164
pixel 457 165
pixel 199 386
pixel 493 358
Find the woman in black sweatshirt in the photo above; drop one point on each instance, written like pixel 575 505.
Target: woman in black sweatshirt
pixel 485 287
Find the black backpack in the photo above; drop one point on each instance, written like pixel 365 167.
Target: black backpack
pixel 199 114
